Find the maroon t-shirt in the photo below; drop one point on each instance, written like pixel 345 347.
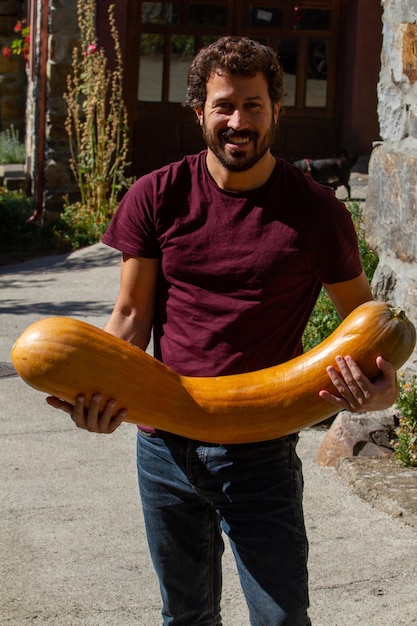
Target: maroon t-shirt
pixel 240 272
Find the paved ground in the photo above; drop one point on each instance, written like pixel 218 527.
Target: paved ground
pixel 72 537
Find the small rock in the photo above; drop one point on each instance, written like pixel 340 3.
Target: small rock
pixel 353 434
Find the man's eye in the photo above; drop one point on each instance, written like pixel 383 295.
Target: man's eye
pixel 224 107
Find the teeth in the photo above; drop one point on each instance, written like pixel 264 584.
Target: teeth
pixel 239 141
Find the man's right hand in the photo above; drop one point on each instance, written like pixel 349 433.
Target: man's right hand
pixel 91 418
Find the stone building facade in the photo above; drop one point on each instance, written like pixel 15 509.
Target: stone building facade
pixel 12 69
pixel 63 35
pixel 391 204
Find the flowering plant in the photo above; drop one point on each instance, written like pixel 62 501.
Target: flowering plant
pixel 21 45
pixel 96 123
pixel 405 444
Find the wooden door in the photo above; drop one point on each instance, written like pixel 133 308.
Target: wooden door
pixel 163 38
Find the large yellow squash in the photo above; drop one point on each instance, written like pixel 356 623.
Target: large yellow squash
pixel 64 357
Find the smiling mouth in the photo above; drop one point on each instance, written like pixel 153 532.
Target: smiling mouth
pixel 237 139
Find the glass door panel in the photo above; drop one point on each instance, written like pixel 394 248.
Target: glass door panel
pixel 287 51
pixel 182 53
pixel 151 67
pixel 317 68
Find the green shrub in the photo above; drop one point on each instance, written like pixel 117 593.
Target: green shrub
pixel 79 226
pixel 405 442
pixel 17 235
pixel 20 237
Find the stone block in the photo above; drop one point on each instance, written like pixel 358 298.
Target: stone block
pixel 56 175
pixel 63 21
pixel 10 7
pixel 11 64
pixel 13 85
pixel 409 51
pixel 390 215
pixel 60 49
pixel 57 78
pixel 12 110
pixel 356 434
pixel 57 108
pixel 64 4
pixel 7 23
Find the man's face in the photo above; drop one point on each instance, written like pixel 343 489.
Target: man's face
pixel 238 120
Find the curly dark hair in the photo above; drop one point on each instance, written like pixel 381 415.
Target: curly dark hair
pixel 239 56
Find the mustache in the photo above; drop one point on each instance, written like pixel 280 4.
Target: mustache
pixel 231 134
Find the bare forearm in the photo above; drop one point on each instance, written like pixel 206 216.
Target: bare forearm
pixel 127 326
pixel 133 313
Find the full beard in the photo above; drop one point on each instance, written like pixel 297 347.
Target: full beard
pixel 238 160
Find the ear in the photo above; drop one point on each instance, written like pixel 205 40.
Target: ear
pixel 277 108
pixel 200 115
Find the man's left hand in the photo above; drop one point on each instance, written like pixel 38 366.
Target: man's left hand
pixel 356 391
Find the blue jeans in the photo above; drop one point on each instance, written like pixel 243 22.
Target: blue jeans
pixel 191 492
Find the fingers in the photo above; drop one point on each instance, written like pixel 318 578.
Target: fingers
pixel 385 367
pixel 355 392
pixel 350 382
pixel 90 417
pixel 56 403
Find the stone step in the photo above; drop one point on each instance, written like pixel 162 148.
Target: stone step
pixel 13 176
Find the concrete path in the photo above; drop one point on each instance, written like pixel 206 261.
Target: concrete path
pixel 72 538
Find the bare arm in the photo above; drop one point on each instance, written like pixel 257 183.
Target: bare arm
pixel 132 320
pixel 348 295
pixel 355 391
pixel 132 315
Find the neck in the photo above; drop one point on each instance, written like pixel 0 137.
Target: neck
pixel 249 179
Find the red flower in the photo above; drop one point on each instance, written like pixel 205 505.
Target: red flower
pixel 91 49
pixel 21 45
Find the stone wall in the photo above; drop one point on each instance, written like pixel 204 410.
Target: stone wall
pixel 391 205
pixel 63 34
pixel 12 69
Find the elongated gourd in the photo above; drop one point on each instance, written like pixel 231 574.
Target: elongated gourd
pixel 64 357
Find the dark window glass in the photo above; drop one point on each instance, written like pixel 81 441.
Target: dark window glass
pixel 311 19
pixel 161 13
pixel 208 14
pixel 265 17
pixel 208 39
pixel 287 52
pixel 318 56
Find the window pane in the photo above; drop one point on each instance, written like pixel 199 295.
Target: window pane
pixel 208 39
pixel 265 17
pixel 317 60
pixel 311 19
pixel 151 68
pixel 316 91
pixel 182 52
pixel 208 14
pixel 161 13
pixel 287 51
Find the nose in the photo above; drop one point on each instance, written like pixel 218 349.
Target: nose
pixel 237 120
